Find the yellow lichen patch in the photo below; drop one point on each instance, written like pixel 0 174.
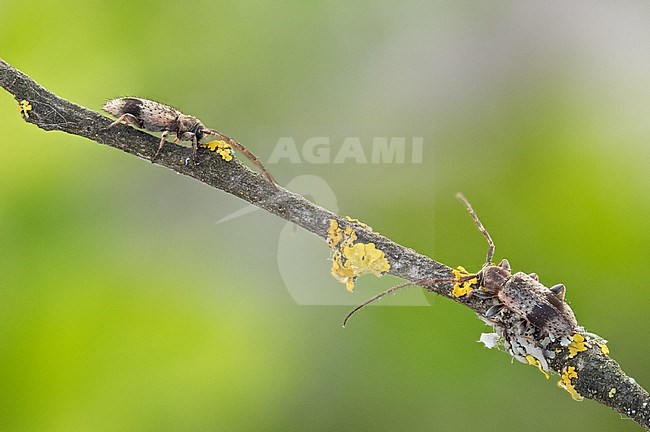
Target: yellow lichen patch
pixel 340 237
pixel 358 222
pixel 358 260
pixel 24 107
pixel 577 345
pixel 565 382
pixel 225 153
pixel 350 235
pixel 534 362
pixel 462 289
pixel 351 259
pixel 612 392
pixel 366 258
pixel 459 272
pixel 603 348
pixel 212 145
pixel 465 287
pixel 334 234
pixel 222 148
pixel 342 272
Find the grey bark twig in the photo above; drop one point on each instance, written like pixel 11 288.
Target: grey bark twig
pixel 597 376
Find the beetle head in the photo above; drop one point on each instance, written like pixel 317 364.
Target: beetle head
pixel 187 127
pixel 493 276
pixel 198 130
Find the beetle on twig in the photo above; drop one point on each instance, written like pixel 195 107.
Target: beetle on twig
pixel 157 117
pixel 520 293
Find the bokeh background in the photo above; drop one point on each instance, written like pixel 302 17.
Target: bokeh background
pixel 128 303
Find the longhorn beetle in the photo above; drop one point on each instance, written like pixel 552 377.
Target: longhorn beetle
pixel 520 293
pixel 157 117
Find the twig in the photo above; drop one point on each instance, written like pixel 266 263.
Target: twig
pixel 597 373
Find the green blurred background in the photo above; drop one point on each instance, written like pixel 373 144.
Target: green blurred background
pixel 127 305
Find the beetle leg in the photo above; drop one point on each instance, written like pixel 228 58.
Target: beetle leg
pixel 483 294
pixel 534 276
pixel 195 147
pixel 559 290
pixel 493 310
pixel 127 119
pixel 505 264
pixel 160 146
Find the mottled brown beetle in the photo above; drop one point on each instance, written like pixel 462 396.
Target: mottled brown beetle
pixel 157 117
pixel 521 293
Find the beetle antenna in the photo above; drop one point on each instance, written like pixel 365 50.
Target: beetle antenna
pixel 245 151
pixel 390 291
pixel 490 252
pixel 374 298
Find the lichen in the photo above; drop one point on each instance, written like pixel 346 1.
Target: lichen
pixel 459 272
pixel 565 382
pixel 24 107
pixel 534 362
pixel 490 340
pixel 358 222
pixel 462 287
pixel 577 345
pixel 521 339
pixel 351 258
pixel 334 234
pixel 342 272
pixel 603 348
pixel 366 258
pixel 221 147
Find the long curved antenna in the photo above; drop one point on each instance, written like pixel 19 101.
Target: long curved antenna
pixel 490 252
pixel 392 290
pixel 245 151
pixel 376 297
